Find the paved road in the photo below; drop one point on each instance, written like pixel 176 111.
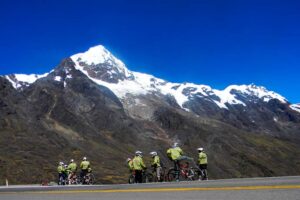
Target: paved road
pixel 279 188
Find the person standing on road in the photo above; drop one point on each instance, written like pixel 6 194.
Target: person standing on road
pixel 61 172
pixel 156 164
pixel 84 166
pixel 72 167
pixel 138 166
pixel 174 154
pixel 202 161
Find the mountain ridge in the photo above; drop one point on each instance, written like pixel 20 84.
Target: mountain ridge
pixel 140 83
pixel 85 109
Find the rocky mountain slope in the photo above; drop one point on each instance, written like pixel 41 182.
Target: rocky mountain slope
pixel 92 105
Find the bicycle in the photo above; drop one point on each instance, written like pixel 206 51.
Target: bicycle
pixel 73 180
pixel 62 180
pixel 131 179
pixel 163 175
pixel 201 174
pixel 185 173
pixel 88 179
pixel 146 177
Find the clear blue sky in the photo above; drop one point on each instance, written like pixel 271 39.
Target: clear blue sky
pixel 217 43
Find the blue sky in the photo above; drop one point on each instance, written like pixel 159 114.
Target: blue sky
pixel 217 43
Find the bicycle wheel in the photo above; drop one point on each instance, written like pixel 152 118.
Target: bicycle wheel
pixel 205 176
pixel 91 179
pixel 191 174
pixel 197 174
pixel 148 178
pixel 131 179
pixel 164 175
pixel 171 176
pixel 183 175
pixel 77 181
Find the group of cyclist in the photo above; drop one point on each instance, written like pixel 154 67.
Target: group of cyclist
pixel 136 165
pixel 175 154
pixel 67 173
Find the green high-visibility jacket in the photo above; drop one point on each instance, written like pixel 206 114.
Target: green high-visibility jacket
pixel 156 161
pixel 84 165
pixel 174 153
pixel 130 165
pixel 72 167
pixel 202 158
pixel 60 169
pixel 138 163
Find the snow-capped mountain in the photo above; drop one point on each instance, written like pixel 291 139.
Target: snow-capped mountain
pixel 93 100
pixel 105 69
pixel 125 81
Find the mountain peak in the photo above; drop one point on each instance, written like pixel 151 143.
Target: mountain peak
pixel 96 55
pixel 98 63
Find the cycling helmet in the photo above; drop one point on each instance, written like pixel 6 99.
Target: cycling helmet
pixel 175 145
pixel 138 153
pixel 61 163
pixel 128 159
pixel 84 158
pixel 72 160
pixel 200 149
pixel 153 153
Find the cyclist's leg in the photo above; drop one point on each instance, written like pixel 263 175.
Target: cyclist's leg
pixel 83 175
pixel 59 179
pixel 70 178
pixel 158 173
pixel 201 175
pixel 205 172
pixel 176 167
pixel 138 176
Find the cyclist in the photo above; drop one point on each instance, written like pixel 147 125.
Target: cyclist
pixel 61 172
pixel 138 166
pixel 72 167
pixel 85 167
pixel 174 154
pixel 202 161
pixel 156 164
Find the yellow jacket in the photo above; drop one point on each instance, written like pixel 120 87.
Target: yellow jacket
pixel 202 158
pixel 138 163
pixel 156 161
pixel 130 165
pixel 84 165
pixel 174 153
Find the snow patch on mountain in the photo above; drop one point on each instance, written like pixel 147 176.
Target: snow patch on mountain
pixel 121 88
pixel 258 91
pixel 20 80
pixel 295 107
pixel 227 95
pixel 58 78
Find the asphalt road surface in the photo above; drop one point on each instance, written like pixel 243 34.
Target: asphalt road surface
pixel 278 188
